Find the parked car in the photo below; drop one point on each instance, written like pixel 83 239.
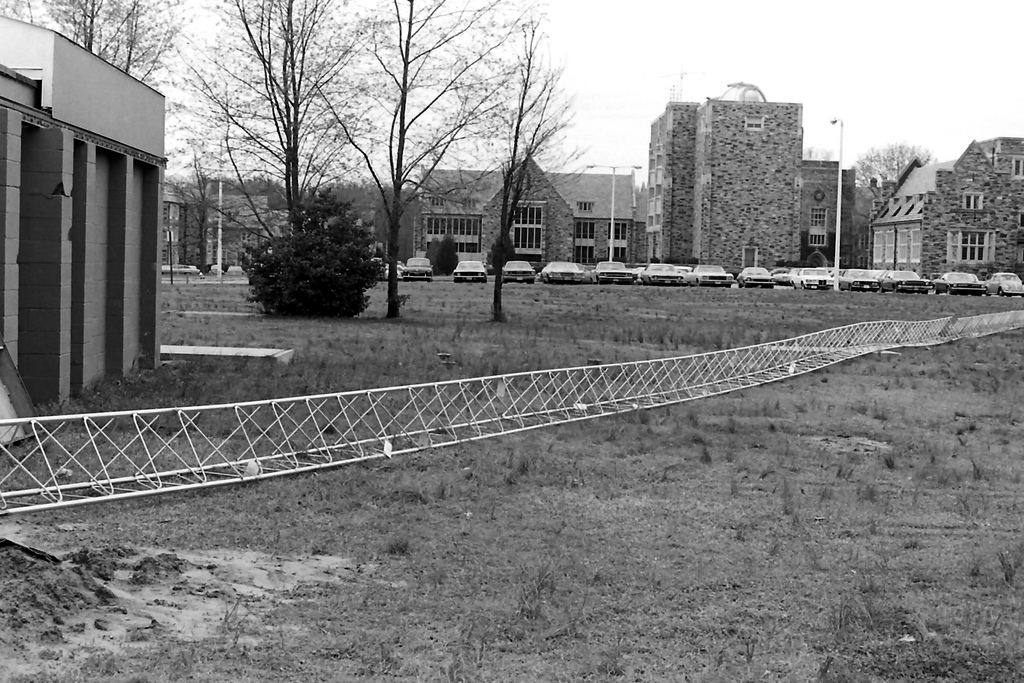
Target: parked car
pixel 683 270
pixel 755 277
pixel 858 280
pixel 959 283
pixel 660 274
pixel 1004 284
pixel 470 271
pixel 562 272
pixel 418 269
pixel 708 276
pixel 612 272
pixel 811 278
pixel 905 281
pixel 780 276
pixel 518 271
pixel 181 269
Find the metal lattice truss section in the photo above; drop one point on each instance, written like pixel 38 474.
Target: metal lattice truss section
pixel 65 460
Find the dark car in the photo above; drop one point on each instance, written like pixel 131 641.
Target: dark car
pixel 418 269
pixel 661 274
pixel 612 272
pixel 518 271
pixel 858 280
pixel 752 276
pixel 959 283
pixel 904 281
pixel 562 272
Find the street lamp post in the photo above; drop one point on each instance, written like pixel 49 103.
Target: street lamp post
pixel 611 222
pixel 839 205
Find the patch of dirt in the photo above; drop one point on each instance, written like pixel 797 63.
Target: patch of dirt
pixel 107 598
pixel 841 444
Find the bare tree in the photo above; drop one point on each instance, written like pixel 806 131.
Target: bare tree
pixel 887 162
pixel 433 75
pixel 134 35
pixel 531 126
pixel 266 85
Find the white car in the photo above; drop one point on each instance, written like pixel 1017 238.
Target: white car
pixel 708 276
pixel 811 278
pixel 469 271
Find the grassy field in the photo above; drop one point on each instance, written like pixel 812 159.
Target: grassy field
pixel 856 524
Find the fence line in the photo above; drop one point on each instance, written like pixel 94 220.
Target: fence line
pixel 65 460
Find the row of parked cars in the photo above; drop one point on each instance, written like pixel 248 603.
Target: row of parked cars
pixel 706 275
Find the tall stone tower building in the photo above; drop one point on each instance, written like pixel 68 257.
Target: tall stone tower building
pixel 724 182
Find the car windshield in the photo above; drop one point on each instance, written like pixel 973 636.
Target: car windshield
pixel 857 273
pixel 417 263
pixel 815 271
pixel 755 271
pixel 1007 277
pixel 470 265
pixel 960 277
pixel 562 267
pixel 904 275
pixel 518 265
pixel 709 269
pixel 611 265
pixel 660 268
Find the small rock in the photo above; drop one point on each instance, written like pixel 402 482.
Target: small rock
pixel 101 625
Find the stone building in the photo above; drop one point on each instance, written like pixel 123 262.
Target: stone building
pixel 965 215
pixel 81 169
pixel 563 217
pixel 728 185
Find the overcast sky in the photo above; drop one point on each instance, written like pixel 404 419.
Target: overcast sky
pixel 931 73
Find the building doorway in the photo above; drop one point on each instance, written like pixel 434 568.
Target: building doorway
pixel 749 257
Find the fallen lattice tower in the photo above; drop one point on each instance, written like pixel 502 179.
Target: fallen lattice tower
pixel 65 460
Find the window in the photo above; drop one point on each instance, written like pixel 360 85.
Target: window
pixel 755 123
pixel 585 207
pixel 970 246
pixel 528 229
pixel 818 217
pixel 619 254
pixel 902 245
pixel 878 249
pixel 915 245
pixel 464 229
pixel 972 200
pixel 817 239
pixel 620 232
pixel 583 253
pixel 1018 167
pixel 436 201
pixel 1020 219
pixel 584 230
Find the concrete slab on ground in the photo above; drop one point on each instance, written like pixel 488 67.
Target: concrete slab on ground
pixel 176 352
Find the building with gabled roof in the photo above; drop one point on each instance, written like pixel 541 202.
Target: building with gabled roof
pixel 965 215
pixel 562 217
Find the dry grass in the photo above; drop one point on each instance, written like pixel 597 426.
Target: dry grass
pixel 792 532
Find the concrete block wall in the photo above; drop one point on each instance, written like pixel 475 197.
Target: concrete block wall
pixel 44 259
pixel 89 265
pixel 10 221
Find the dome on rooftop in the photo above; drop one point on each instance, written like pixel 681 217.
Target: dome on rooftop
pixel 743 92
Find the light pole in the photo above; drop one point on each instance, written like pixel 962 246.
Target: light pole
pixel 839 205
pixel 611 222
pixel 220 230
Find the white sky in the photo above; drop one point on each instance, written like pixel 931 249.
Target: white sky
pixel 935 74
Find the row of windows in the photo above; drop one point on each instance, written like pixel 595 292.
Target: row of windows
pixel 587 230
pixel 451 225
pixel 962 246
pixel 465 246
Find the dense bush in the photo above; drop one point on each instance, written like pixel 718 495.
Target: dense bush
pixel 322 266
pixel 447 255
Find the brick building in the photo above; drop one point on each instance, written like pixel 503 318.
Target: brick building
pixel 965 215
pixel 563 217
pixel 728 185
pixel 81 174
